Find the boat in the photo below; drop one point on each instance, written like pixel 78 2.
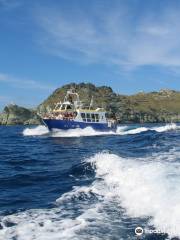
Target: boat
pixel 71 114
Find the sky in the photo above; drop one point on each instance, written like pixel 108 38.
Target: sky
pixel 130 45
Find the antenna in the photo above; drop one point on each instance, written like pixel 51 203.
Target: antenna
pixel 91 103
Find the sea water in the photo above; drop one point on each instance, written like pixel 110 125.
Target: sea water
pixel 83 184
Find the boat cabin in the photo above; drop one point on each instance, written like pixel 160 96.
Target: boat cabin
pixel 92 116
pixel 65 106
pixel 73 109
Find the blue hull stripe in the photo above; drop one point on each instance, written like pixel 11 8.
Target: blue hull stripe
pixel 65 125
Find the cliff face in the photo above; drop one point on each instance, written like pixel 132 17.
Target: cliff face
pixel 14 114
pixel 162 106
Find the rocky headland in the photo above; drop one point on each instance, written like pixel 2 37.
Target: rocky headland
pixel 16 115
pixel 153 107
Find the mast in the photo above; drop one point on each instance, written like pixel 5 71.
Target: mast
pixel 91 103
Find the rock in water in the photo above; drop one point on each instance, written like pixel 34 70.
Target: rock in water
pixel 14 114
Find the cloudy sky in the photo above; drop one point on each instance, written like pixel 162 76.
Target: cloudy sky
pixel 131 45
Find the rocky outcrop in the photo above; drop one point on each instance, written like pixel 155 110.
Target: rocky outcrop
pixel 162 106
pixel 103 96
pixel 13 115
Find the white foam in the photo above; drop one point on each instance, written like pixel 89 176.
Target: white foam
pixel 121 130
pixel 143 187
pixel 56 223
pixel 41 225
pixel 167 127
pixel 37 131
pixel 147 188
pixel 134 131
pixel 86 132
pixel 79 132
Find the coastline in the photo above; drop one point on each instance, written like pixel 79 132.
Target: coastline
pixel 154 107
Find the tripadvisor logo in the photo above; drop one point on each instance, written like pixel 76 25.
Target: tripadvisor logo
pixel 139 231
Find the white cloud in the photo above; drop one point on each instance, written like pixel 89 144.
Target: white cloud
pixel 115 36
pixel 24 83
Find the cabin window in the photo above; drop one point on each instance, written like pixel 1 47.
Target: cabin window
pixel 68 107
pixel 93 117
pixel 97 117
pixel 63 107
pixel 83 117
pixel 88 117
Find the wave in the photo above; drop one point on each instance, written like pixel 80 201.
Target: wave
pixel 167 127
pixel 121 130
pixel 144 188
pixel 37 131
pixel 42 130
pixel 79 133
pixel 39 225
pixel 133 131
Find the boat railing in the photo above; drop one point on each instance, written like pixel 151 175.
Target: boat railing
pixel 61 116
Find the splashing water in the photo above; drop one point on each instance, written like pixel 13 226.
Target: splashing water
pixel 167 127
pixel 121 130
pixel 143 187
pixel 37 131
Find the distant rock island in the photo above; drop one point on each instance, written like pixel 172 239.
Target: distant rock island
pixel 16 115
pixel 153 107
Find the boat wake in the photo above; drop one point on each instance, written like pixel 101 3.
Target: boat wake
pixel 37 131
pixel 142 188
pixel 152 183
pixel 121 130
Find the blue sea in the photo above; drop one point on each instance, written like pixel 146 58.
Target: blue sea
pixel 83 185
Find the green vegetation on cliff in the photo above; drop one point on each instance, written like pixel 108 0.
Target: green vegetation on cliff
pixel 162 106
pixel 103 96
